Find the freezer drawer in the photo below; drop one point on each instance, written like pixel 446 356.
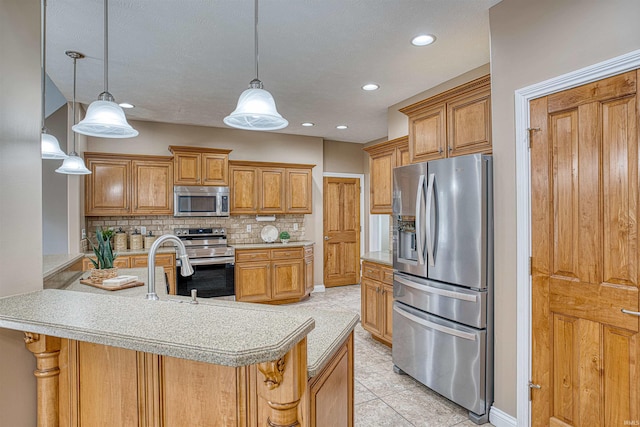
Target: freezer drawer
pixel 446 357
pixel 462 305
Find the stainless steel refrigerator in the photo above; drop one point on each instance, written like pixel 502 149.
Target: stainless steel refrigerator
pixel 443 279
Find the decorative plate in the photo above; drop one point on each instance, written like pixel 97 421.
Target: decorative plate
pixel 269 234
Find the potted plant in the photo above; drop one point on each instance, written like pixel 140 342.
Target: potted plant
pixel 284 237
pixel 103 264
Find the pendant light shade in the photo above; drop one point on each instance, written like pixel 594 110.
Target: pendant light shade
pixel 105 118
pixel 49 145
pixel 73 164
pixel 256 109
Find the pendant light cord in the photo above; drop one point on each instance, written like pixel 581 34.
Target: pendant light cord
pixel 106 46
pixel 43 57
pixel 256 38
pixel 73 105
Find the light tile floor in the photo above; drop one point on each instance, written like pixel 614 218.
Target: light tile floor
pixel 383 398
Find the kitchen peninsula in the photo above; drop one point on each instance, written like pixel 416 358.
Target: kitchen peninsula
pixel 110 359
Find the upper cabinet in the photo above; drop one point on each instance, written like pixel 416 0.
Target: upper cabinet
pixel 128 185
pixel 383 158
pixel 200 165
pixel 270 188
pixel 453 123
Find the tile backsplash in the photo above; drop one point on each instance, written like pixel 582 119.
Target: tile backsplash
pixel 236 225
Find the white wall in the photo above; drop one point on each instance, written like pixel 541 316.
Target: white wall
pixel 20 196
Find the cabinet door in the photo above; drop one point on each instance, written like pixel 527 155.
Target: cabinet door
pixel 187 168
pixel 403 157
pixel 299 191
pixel 469 124
pixel 244 194
pixel 152 187
pixel 427 135
pixel 288 279
pixel 381 170
pixel 371 316
pixel 271 195
pixel 215 169
pixel 107 187
pixel 308 269
pixel 387 310
pixel 253 282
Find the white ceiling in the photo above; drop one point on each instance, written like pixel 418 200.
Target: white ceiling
pixel 187 61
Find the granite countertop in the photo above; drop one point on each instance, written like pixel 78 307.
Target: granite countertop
pixel 273 245
pixel 380 257
pixel 161 250
pixel 228 333
pixel 52 264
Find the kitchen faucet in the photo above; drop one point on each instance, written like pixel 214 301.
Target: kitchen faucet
pixel 185 266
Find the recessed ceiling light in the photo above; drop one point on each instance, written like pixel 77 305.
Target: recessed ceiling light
pixel 341 127
pixel 308 124
pixel 370 86
pixel 126 105
pixel 423 40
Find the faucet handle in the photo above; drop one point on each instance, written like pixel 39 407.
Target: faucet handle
pixel 194 296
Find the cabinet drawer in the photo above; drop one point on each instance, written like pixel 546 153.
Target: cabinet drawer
pixel 162 260
pixel 286 253
pixel 387 276
pixel 247 256
pixel 371 271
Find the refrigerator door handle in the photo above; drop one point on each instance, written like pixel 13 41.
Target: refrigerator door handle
pixel 419 240
pixel 432 262
pixel 435 326
pixel 436 291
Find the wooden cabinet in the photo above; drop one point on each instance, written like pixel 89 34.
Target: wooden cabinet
pixel 377 300
pixel 270 188
pixel 278 275
pixel 453 123
pixel 200 165
pixel 128 185
pixel 167 261
pixel 382 159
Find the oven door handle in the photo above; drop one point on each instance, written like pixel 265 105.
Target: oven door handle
pixel 209 261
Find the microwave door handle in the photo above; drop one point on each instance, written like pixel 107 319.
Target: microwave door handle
pixel 419 242
pixel 430 233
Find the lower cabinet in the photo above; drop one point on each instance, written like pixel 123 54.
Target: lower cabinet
pixel 279 275
pixel 167 261
pixel 377 300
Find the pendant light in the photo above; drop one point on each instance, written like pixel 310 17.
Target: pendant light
pixel 105 118
pixel 73 164
pixel 256 109
pixel 49 145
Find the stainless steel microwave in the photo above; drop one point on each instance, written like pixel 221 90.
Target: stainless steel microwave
pixel 200 201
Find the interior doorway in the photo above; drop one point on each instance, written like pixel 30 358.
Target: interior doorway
pixel 342 230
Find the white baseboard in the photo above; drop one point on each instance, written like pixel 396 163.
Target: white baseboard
pixel 318 288
pixel 501 419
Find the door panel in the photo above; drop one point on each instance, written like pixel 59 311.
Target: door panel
pixel 584 186
pixel 341 231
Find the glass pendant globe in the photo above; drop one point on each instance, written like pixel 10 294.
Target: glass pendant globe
pixel 50 148
pixel 256 110
pixel 105 119
pixel 73 165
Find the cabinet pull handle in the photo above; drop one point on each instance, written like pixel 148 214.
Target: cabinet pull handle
pixel 450 149
pixel 440 150
pixel 633 313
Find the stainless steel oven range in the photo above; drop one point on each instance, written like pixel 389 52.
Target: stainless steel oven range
pixel 212 260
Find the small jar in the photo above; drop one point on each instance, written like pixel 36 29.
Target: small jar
pixel 136 241
pixel 120 240
pixel 149 239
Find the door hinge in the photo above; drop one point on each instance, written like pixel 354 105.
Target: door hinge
pixel 530 266
pixel 531 130
pixel 533 386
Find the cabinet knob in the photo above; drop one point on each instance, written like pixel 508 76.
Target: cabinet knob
pixel 450 149
pixel 440 150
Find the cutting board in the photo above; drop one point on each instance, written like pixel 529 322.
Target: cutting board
pixel 111 288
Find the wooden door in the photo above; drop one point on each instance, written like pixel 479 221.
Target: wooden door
pixel 469 123
pixel 152 187
pixel 271 184
pixel 253 281
pixel 287 279
pixel 299 191
pixel 370 313
pixel 427 135
pixel 244 186
pixel 107 187
pixel 187 169
pixel 215 169
pixel 381 181
pixel 584 228
pixel 341 231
